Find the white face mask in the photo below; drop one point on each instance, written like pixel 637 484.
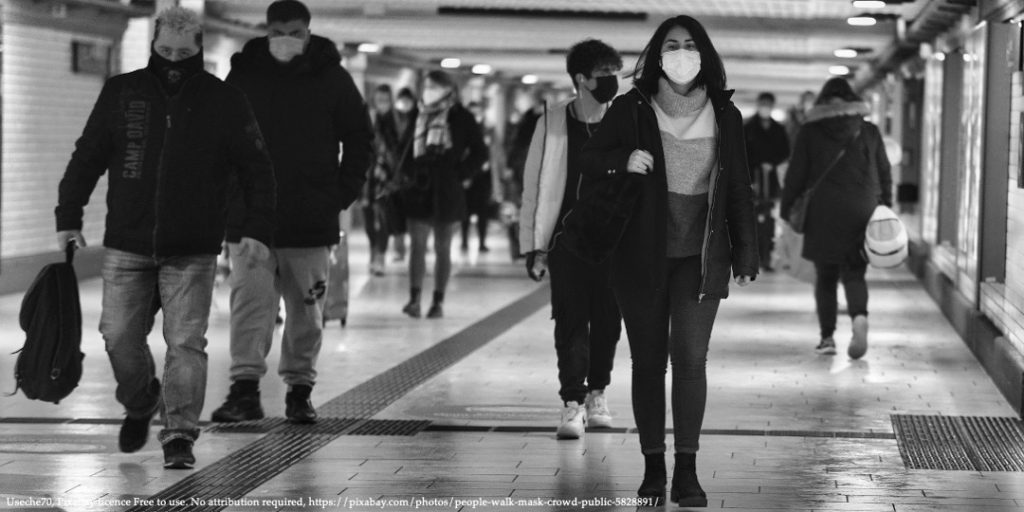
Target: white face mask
pixel 681 66
pixel 433 95
pixel 286 48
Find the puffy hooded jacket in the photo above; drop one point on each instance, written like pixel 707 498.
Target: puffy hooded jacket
pixel 170 161
pixel 305 108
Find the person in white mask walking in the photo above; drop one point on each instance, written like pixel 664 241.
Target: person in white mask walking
pixel 679 139
pixel 306 104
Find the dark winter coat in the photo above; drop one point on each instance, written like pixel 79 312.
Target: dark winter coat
pixel 639 262
pixel 305 108
pixel 842 205
pixel 170 161
pixel 434 191
pixel 765 146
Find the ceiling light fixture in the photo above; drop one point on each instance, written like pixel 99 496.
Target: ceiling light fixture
pixel 862 21
pixel 530 79
pixel 369 48
pixel 845 53
pixel 839 70
pixel 868 4
pixel 482 69
pixel 450 63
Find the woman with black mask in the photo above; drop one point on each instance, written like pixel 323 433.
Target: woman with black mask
pixel 676 141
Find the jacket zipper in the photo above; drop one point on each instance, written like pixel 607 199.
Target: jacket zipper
pixel 707 226
pixel 170 103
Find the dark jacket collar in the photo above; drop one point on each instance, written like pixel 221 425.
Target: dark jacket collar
pixel 320 55
pixel 719 98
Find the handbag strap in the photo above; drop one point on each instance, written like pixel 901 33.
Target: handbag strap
pixel 835 161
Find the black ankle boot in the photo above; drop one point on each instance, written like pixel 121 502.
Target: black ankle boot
pixel 686 490
pixel 653 487
pixel 298 407
pixel 242 404
pixel 413 307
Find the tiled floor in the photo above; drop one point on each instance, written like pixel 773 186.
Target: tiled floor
pixel 770 399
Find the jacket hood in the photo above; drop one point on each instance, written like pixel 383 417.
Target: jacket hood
pixel 321 54
pixel 838 120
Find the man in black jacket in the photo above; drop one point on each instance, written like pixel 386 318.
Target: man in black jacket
pixel 767 148
pixel 171 136
pixel 306 104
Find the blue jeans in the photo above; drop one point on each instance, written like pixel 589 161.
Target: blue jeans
pixel 134 286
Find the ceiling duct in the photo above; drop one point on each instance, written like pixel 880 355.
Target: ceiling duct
pixel 542 13
pixel 936 17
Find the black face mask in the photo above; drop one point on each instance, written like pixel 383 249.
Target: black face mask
pixel 607 87
pixel 173 74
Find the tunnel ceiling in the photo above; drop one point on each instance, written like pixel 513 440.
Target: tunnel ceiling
pixel 785 46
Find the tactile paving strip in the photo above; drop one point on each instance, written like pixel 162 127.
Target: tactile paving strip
pixel 390 428
pixel 960 443
pixel 285 444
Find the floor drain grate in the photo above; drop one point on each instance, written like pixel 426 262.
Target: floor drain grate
pixel 960 443
pixel 390 428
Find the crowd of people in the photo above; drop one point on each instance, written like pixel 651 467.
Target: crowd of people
pixel 642 207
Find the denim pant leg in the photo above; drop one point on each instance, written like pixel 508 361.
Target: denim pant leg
pixel 186 291
pixel 692 321
pixel 303 274
pixel 255 301
pixel 129 292
pixel 647 320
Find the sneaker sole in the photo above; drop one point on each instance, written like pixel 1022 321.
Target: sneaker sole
pixel 179 464
pixel 567 435
pixel 599 422
pixel 827 351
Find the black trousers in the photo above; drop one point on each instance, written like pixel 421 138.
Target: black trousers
pixel 765 231
pixel 587 324
pixel 854 284
pixel 676 327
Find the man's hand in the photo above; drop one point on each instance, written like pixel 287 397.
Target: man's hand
pixel 743 280
pixel 72 235
pixel 536 265
pixel 253 251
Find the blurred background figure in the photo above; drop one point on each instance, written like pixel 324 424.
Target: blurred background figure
pixel 406 111
pixel 448 149
pixel 528 109
pixel 796 116
pixel 480 192
pixel 767 148
pixel 378 200
pixel 841 157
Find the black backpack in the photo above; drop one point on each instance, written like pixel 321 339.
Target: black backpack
pixel 50 363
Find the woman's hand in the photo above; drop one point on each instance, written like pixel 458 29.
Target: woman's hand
pixel 743 280
pixel 640 162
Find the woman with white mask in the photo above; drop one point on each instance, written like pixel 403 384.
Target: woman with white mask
pixel 447 149
pixel 676 139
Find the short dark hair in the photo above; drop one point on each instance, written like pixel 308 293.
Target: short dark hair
pixel 589 55
pixel 648 67
pixel 406 92
pixel 837 87
pixel 383 88
pixel 766 96
pixel 288 10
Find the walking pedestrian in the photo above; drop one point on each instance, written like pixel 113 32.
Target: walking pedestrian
pixel 678 137
pixel 842 158
pixel 767 148
pixel 587 319
pixel 171 136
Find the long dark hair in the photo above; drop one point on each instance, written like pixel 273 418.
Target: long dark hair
pixel 837 87
pixel 648 67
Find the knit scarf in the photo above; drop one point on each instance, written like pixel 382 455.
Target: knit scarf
pixel 433 135
pixel 681 115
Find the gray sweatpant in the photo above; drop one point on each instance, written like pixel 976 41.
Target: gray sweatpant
pixel 299 276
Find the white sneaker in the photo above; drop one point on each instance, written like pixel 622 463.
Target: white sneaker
pixel 859 344
pixel 573 421
pixel 598 415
